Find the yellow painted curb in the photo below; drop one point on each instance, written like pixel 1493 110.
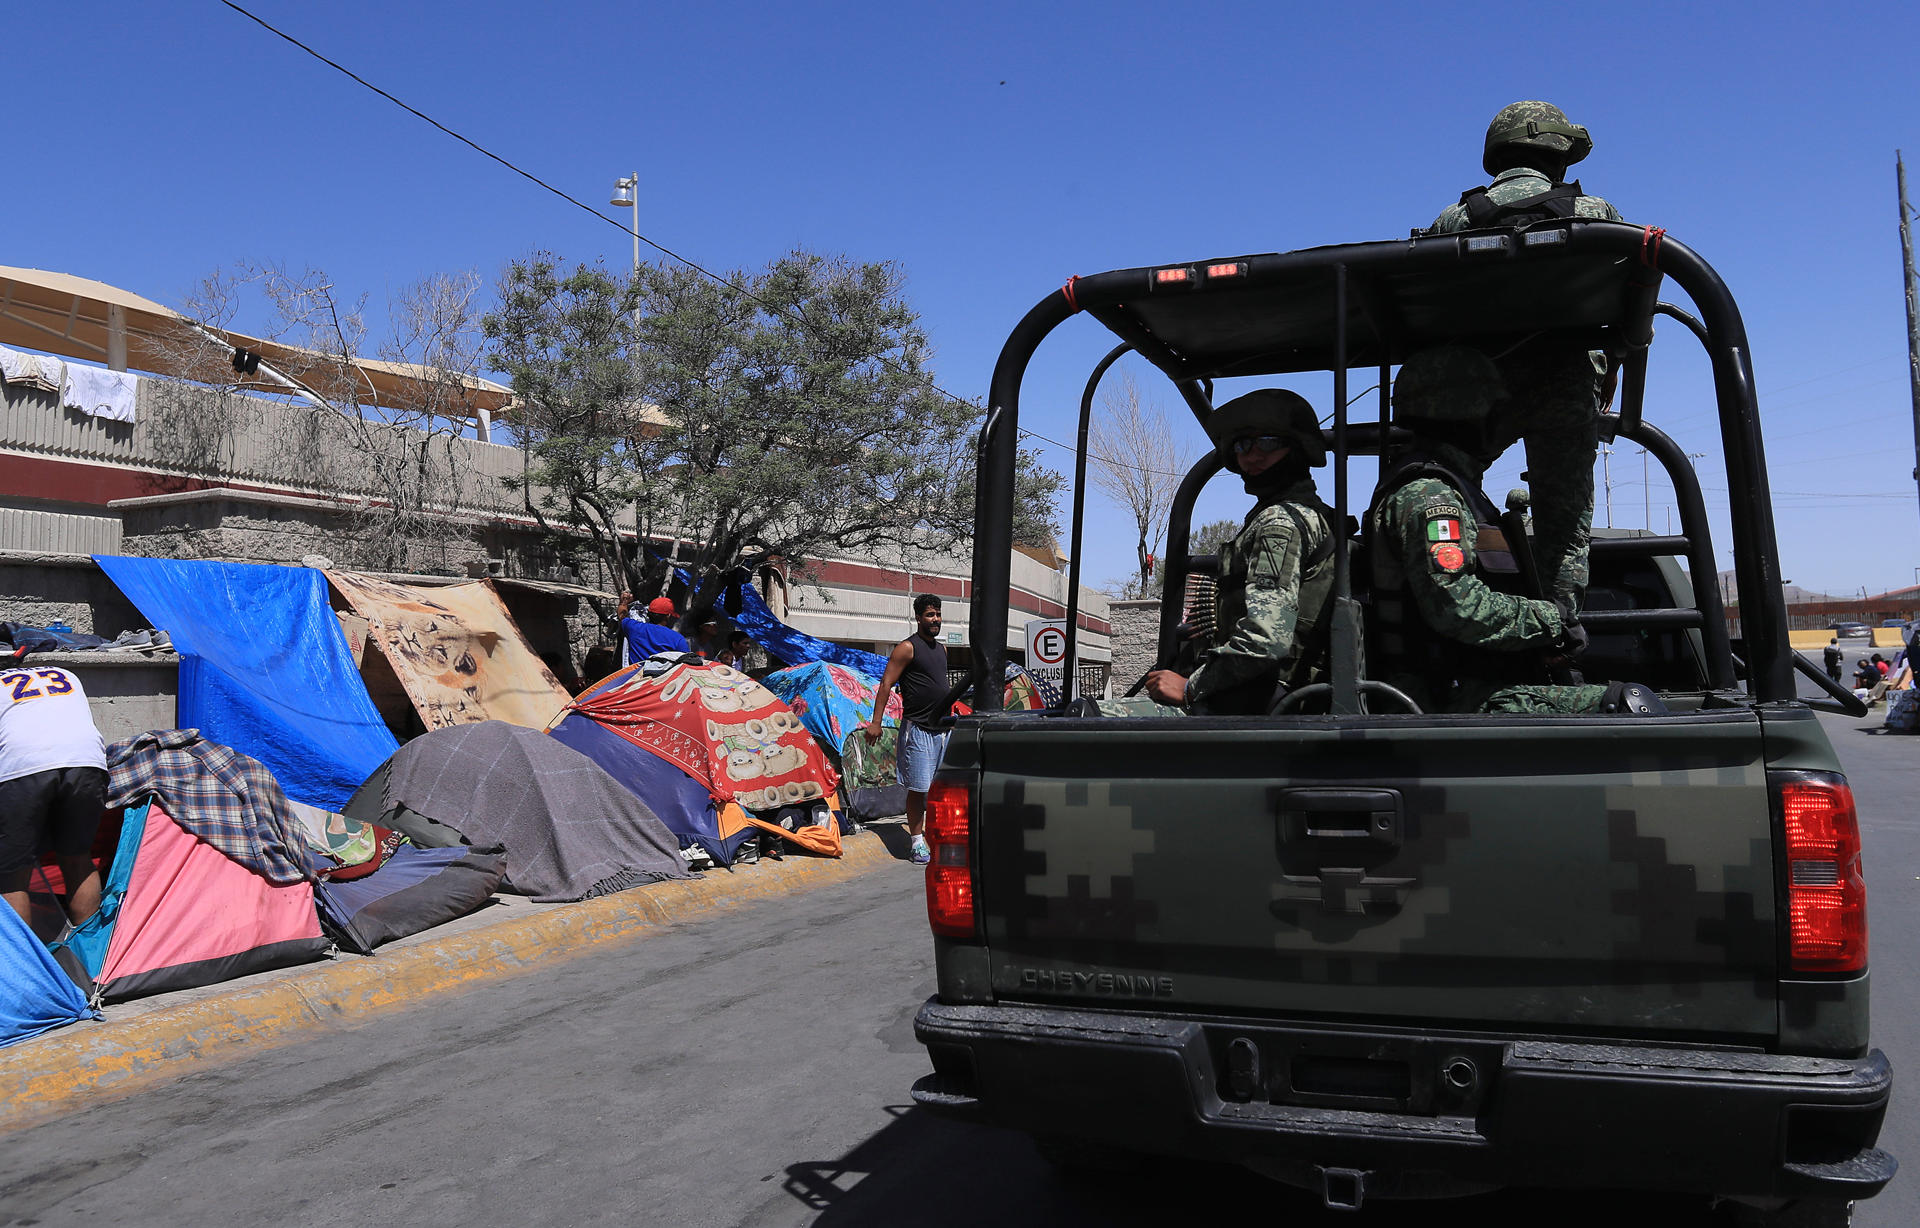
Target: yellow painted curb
pixel 88 1064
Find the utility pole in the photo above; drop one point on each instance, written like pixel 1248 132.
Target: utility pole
pixel 1911 292
pixel 1646 492
pixel 1606 471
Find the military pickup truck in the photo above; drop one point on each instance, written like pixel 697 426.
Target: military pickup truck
pixel 1377 952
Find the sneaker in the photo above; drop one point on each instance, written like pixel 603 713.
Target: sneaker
pixel 921 853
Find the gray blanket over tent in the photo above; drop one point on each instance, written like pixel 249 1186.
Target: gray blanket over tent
pixel 570 830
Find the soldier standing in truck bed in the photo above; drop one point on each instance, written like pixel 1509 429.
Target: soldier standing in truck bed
pixel 1557 390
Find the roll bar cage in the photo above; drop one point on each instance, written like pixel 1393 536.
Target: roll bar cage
pixel 1369 305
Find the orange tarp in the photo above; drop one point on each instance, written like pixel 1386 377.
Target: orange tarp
pixel 456 650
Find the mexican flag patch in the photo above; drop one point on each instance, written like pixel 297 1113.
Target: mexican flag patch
pixel 1443 530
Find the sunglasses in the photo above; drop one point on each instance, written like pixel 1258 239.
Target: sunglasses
pixel 1263 443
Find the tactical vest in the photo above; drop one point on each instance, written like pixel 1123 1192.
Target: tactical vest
pixel 1556 201
pixel 1399 641
pixel 1311 625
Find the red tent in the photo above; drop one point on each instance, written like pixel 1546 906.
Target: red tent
pixel 719 726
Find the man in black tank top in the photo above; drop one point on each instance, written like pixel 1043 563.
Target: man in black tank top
pixel 918 665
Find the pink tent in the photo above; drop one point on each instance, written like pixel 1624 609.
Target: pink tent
pixel 179 913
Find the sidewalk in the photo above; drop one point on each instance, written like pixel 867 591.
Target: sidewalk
pixel 151 1041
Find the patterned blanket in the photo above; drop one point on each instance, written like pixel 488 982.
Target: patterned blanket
pixel 220 795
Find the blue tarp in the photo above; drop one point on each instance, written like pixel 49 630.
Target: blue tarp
pixel 35 996
pixel 792 646
pixel 264 669
pixel 830 700
pixel 682 802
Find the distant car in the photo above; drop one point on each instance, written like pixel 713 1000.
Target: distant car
pixel 1852 631
pixel 1893 622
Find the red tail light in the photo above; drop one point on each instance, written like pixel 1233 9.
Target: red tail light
pixel 950 907
pixel 1826 894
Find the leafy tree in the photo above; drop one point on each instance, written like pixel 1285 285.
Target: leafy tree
pixel 579 415
pixel 780 416
pixel 1209 537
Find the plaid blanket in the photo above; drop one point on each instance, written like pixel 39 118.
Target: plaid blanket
pixel 218 794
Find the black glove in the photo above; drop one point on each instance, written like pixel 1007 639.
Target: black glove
pixel 1573 636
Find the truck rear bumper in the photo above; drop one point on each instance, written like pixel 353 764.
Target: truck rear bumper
pixel 1417 1109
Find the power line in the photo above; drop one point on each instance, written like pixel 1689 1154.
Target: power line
pixel 1829 375
pixel 577 203
pixel 1772 409
pixel 484 151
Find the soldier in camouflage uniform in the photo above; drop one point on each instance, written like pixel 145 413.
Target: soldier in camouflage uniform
pixel 1558 390
pixel 1276 575
pixel 1449 625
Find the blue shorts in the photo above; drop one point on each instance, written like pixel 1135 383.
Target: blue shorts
pixel 920 754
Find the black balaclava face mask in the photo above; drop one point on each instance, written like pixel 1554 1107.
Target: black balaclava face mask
pixel 1288 470
pixel 1470 437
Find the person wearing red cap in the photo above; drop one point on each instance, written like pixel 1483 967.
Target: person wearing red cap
pixel 654 635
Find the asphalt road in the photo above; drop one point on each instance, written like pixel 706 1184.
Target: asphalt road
pixel 747 1069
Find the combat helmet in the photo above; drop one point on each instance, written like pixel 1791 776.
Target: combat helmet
pixel 1535 125
pixel 1448 383
pixel 1268 411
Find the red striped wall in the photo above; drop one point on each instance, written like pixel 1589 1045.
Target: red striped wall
pixel 38 477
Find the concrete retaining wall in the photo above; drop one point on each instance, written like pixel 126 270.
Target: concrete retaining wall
pixel 43 589
pixel 129 692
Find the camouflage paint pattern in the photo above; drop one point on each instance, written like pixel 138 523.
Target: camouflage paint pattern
pixel 1555 407
pixel 1587 883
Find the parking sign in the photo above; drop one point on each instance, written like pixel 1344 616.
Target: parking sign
pixel 1047 649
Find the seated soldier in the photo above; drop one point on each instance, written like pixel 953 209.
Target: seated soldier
pixel 1449 625
pixel 1276 575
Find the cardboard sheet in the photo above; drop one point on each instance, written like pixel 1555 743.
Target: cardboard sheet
pixel 456 650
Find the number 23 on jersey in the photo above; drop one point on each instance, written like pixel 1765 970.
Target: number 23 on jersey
pixel 23 684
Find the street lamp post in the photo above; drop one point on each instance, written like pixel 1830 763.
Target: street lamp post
pixel 626 191
pixel 626 195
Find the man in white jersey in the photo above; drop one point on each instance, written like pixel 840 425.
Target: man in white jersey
pixel 53 784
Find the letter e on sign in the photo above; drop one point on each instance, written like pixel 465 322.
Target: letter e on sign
pixel 1050 646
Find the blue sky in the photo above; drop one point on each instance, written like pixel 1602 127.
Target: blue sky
pixel 993 150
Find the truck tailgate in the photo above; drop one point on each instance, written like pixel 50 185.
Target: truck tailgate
pixel 1601 874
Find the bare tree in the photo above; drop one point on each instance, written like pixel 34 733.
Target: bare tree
pixel 1136 461
pixel 397 470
